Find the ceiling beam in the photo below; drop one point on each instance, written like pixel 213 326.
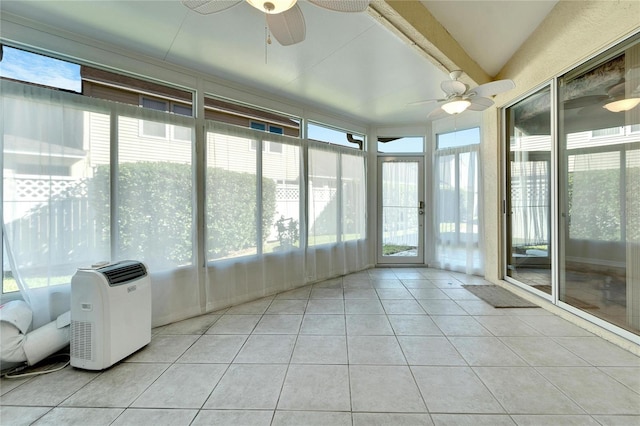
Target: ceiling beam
pixel 418 27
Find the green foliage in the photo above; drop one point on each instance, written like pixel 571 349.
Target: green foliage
pixel 288 232
pixel 154 210
pixel 594 205
pixel 155 213
pixel 326 220
pixel 232 211
pixel 633 204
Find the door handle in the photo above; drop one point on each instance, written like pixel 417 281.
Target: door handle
pixel 421 205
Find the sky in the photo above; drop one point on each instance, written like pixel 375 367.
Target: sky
pixel 25 66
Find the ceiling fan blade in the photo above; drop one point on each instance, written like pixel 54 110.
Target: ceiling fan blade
pixel 425 102
pixel 288 27
pixel 342 5
pixel 453 87
pixel 479 104
pixel 492 88
pixel 206 7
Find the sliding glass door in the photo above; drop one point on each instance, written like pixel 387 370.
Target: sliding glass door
pixel 599 164
pixel 572 198
pixel 528 189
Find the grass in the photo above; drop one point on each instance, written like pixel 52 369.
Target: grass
pixel 389 249
pixel 9 284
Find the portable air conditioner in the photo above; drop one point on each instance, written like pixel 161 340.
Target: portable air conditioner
pixel 110 313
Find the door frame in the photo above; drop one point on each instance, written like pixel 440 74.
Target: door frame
pixel 401 260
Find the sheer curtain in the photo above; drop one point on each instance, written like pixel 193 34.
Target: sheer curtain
pixel 67 203
pixel 458 197
pixel 153 217
pixel 530 200
pixel 254 218
pixel 336 209
pixel 50 224
pixel 87 180
pixel 258 199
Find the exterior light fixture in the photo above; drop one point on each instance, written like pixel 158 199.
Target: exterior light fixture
pixel 272 6
pixel 622 105
pixel 456 106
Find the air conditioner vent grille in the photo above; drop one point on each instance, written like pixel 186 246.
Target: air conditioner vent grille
pixel 123 272
pixel 81 336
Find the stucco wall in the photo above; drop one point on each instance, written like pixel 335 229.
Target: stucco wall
pixel 573 32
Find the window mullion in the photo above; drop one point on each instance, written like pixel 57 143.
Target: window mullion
pixel 259 147
pixel 339 229
pixel 113 183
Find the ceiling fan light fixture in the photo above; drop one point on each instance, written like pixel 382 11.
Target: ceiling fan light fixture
pixel 622 105
pixel 272 6
pixel 456 106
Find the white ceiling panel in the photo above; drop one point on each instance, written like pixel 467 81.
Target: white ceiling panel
pixel 348 65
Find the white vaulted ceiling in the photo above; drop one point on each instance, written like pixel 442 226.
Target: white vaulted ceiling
pixel 349 64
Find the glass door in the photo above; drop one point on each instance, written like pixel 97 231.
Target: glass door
pixel 599 183
pixel 528 192
pixel 400 210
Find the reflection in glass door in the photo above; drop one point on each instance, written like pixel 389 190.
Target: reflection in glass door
pixel 599 176
pixel 401 210
pixel 528 191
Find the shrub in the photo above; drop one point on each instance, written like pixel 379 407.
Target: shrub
pixel 155 211
pixel 232 211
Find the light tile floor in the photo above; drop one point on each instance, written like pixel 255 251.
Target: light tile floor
pixel 379 347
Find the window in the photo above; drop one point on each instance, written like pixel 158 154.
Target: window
pixel 71 211
pixel 155 197
pixel 401 144
pixel 457 201
pixel 232 195
pixel 39 69
pixel 238 114
pixel 323 196
pixel 458 138
pixel 158 129
pixel 153 128
pixel 267 146
pixel 241 190
pixel 335 136
pixel 337 195
pixel 354 198
pixel 179 132
pixel 56 184
pixel 282 175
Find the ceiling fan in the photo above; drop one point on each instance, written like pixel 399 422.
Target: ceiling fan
pixel 284 17
pixel 459 98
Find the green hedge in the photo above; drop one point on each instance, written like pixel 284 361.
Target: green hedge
pixel 232 211
pixel 594 205
pixel 155 213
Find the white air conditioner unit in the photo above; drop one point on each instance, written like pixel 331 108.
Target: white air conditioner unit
pixel 110 313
